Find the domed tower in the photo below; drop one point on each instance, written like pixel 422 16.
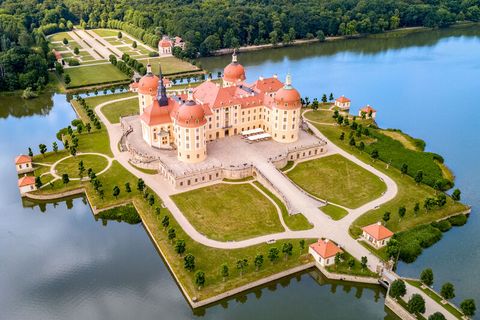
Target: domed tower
pixel 286 113
pixel 147 89
pixel 190 131
pixel 233 73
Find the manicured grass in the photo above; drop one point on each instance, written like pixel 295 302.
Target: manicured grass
pixel 334 212
pixel 70 165
pixel 229 211
pixel 323 116
pixel 294 222
pixel 407 141
pixel 381 253
pixel 169 65
pixel 288 166
pixel 337 180
pixel 356 270
pixel 59 37
pixel 239 180
pixel 90 75
pixel 408 194
pixel 435 296
pixel 147 171
pixel 114 111
pixel 106 32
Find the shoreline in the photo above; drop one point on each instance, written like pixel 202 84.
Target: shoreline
pixel 301 42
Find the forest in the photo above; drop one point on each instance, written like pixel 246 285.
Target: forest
pixel 205 25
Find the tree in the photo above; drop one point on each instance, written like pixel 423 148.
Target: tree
pixel 427 277
pixel 324 98
pixel 73 151
pixel 416 304
pixel 302 245
pixel 386 216
pixel 128 189
pixel 456 194
pixel 436 316
pixel 416 208
pixel 468 307
pixel 352 142
pixel 81 169
pixel 361 146
pixel 140 185
pixel 42 148
pixel 447 291
pixel 134 44
pixel 119 35
pixel 331 97
pixel 402 211
pixel 404 168
pixel 224 271
pixel 287 248
pixel 76 50
pixel 200 279
pixel 397 289
pixel 180 247
pixel 38 182
pixel 273 254
pixel 315 104
pixel 320 36
pixel 393 248
pixel 165 222
pixel 59 68
pixel 364 262
pixel 338 258
pixel 101 193
pixel 351 263
pixel 342 136
pixel 189 262
pixel 171 234
pixel 67 79
pixel 116 191
pixel 65 41
pixel 151 200
pixel 65 178
pixel 374 154
pixel 80 128
pixel 241 265
pixel 30 152
pixel 419 176
pixel 88 126
pixel 258 261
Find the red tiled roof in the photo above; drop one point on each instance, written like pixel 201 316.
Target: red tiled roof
pixel 148 84
pixel 165 43
pixel 267 85
pixel 377 231
pixel 343 99
pixel 26 181
pixel 325 248
pixel 367 109
pixel 57 54
pixel 155 114
pixel 288 99
pixel 134 85
pixel 234 72
pixel 23 159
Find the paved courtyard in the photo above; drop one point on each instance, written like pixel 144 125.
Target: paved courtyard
pixel 221 153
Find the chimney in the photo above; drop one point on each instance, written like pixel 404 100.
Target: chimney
pixel 260 78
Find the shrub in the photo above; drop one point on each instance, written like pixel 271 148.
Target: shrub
pixel 63 131
pixel 412 241
pixel 76 122
pixel 153 54
pixel 126 214
pixel 457 221
pixel 437 157
pixel 73 62
pixel 443 225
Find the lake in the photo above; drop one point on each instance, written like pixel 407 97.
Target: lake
pixel 58 262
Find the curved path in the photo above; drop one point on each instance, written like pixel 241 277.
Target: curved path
pixel 324 226
pixel 53 172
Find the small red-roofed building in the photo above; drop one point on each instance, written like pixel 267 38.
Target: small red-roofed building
pixel 58 56
pixel 166 45
pixel 367 112
pixel 324 251
pixel 376 234
pixel 26 184
pixel 23 164
pixel 343 103
pixel 133 86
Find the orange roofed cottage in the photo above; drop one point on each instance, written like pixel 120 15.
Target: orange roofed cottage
pixel 376 234
pixel 23 164
pixel 343 103
pixel 211 111
pixel 367 112
pixel 324 251
pixel 26 184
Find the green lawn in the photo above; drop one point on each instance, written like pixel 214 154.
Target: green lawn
pixel 229 211
pixel 114 111
pixel 106 32
pixel 288 166
pixel 70 165
pixel 92 75
pixel 169 65
pixel 324 116
pixel 435 296
pixel 408 194
pixel 337 180
pixel 335 212
pixel 294 222
pixel 59 37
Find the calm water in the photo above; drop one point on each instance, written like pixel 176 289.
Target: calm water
pixel 57 262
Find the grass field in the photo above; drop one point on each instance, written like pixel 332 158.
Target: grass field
pixel 229 211
pixel 90 75
pixel 59 37
pixel 324 116
pixel 106 32
pixel 408 194
pixel 169 65
pixel 294 222
pixel 356 270
pixel 70 165
pixel 337 180
pixel 114 111
pixel 334 212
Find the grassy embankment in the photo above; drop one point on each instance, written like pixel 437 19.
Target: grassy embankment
pixel 114 111
pixel 409 192
pixel 207 259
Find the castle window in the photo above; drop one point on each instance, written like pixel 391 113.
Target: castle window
pixel 188 157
